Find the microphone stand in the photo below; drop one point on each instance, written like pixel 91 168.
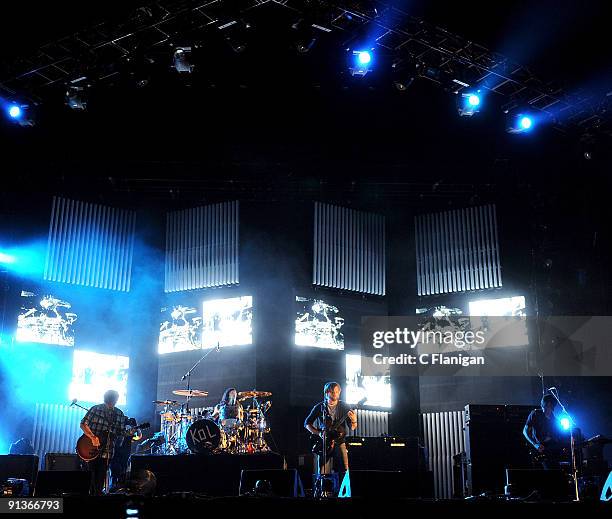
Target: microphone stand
pixel 188 374
pixel 555 393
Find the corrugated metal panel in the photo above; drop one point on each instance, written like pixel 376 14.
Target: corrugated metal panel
pixel 202 247
pixel 371 423
pixel 457 251
pixel 56 429
pixel 90 245
pixel 443 434
pixel 349 249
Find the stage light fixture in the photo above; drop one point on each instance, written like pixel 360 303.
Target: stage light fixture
pixel 181 60
pixel 76 97
pixel 364 57
pixel 565 421
pixel 469 103
pixel 19 113
pixel 521 123
pixel 361 62
pixel 15 111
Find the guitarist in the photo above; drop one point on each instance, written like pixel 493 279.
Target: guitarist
pixel 330 411
pixel 541 432
pixel 102 423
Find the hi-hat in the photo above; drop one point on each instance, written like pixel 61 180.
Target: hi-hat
pixel 192 393
pixel 165 402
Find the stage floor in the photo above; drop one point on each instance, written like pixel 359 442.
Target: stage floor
pixel 193 505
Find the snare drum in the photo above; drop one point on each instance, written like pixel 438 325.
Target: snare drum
pixel 203 436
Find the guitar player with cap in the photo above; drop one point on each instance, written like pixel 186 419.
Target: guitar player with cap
pixel 102 424
pixel 339 417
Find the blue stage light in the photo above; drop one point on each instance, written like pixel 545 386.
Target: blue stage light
pixel 24 261
pixel 364 57
pixel 468 103
pixel 565 423
pixel 521 123
pixel 360 62
pixel 473 100
pixel 14 111
pixel 7 259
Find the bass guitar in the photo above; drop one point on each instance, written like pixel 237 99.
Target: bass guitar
pixel 85 447
pixel 334 432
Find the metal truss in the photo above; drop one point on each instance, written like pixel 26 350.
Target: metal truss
pixel 99 53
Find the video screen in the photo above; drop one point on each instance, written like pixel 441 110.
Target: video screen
pixel 377 389
pixel 95 373
pixel 505 310
pixel 439 311
pixel 180 329
pixel 227 322
pixel 45 319
pixel 318 324
pixel 502 307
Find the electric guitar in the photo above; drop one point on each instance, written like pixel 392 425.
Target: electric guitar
pixel 334 431
pixel 554 451
pixel 85 447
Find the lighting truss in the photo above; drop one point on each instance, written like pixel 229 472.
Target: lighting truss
pixel 443 57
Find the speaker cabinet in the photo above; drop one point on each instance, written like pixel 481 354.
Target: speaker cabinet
pixel 63 461
pixel 19 466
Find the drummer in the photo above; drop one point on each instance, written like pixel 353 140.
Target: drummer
pixel 228 411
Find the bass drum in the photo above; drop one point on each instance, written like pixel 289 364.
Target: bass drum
pixel 203 437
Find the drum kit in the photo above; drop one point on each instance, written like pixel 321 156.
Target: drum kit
pixel 201 431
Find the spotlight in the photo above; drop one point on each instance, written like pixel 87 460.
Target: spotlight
pixel 76 94
pixel 181 60
pixel 565 422
pixel 364 57
pixel 361 62
pixel 19 113
pixel 15 111
pixel 469 103
pixel 7 259
pixel 521 123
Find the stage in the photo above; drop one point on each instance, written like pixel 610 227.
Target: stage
pixel 196 505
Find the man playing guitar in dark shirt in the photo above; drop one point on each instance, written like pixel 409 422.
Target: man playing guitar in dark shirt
pixel 331 418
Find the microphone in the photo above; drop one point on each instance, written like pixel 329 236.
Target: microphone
pixel 74 401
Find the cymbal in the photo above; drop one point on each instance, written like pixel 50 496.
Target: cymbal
pixel 166 402
pixel 253 394
pixel 193 393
